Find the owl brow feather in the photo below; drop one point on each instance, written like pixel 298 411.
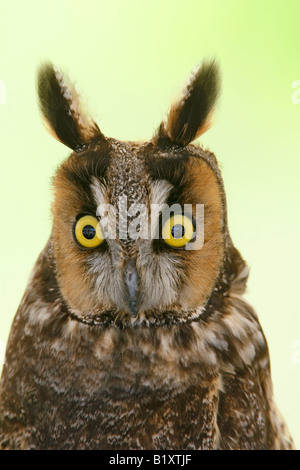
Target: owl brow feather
pixel 62 111
pixel 191 115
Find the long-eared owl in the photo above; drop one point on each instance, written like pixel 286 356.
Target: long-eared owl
pixel 133 332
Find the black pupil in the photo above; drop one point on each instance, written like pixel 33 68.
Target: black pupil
pixel 177 231
pixel 88 232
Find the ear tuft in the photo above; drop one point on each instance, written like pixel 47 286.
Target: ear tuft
pixel 191 116
pixel 61 109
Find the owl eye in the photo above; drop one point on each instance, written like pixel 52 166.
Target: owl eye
pixel 178 231
pixel 87 232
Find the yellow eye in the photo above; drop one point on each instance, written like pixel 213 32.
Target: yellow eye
pixel 88 232
pixel 178 231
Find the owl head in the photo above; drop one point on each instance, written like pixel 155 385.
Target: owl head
pixel 139 228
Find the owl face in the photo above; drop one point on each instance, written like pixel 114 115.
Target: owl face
pixel 119 248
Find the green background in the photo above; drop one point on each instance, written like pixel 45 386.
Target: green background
pixel 130 59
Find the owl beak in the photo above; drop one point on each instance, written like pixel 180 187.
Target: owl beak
pixel 132 281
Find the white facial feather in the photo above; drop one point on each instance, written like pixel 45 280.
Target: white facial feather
pixel 159 273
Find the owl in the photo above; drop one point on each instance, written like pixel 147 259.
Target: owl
pixel 133 332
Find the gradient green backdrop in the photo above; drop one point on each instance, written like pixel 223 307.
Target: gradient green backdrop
pixel 130 59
